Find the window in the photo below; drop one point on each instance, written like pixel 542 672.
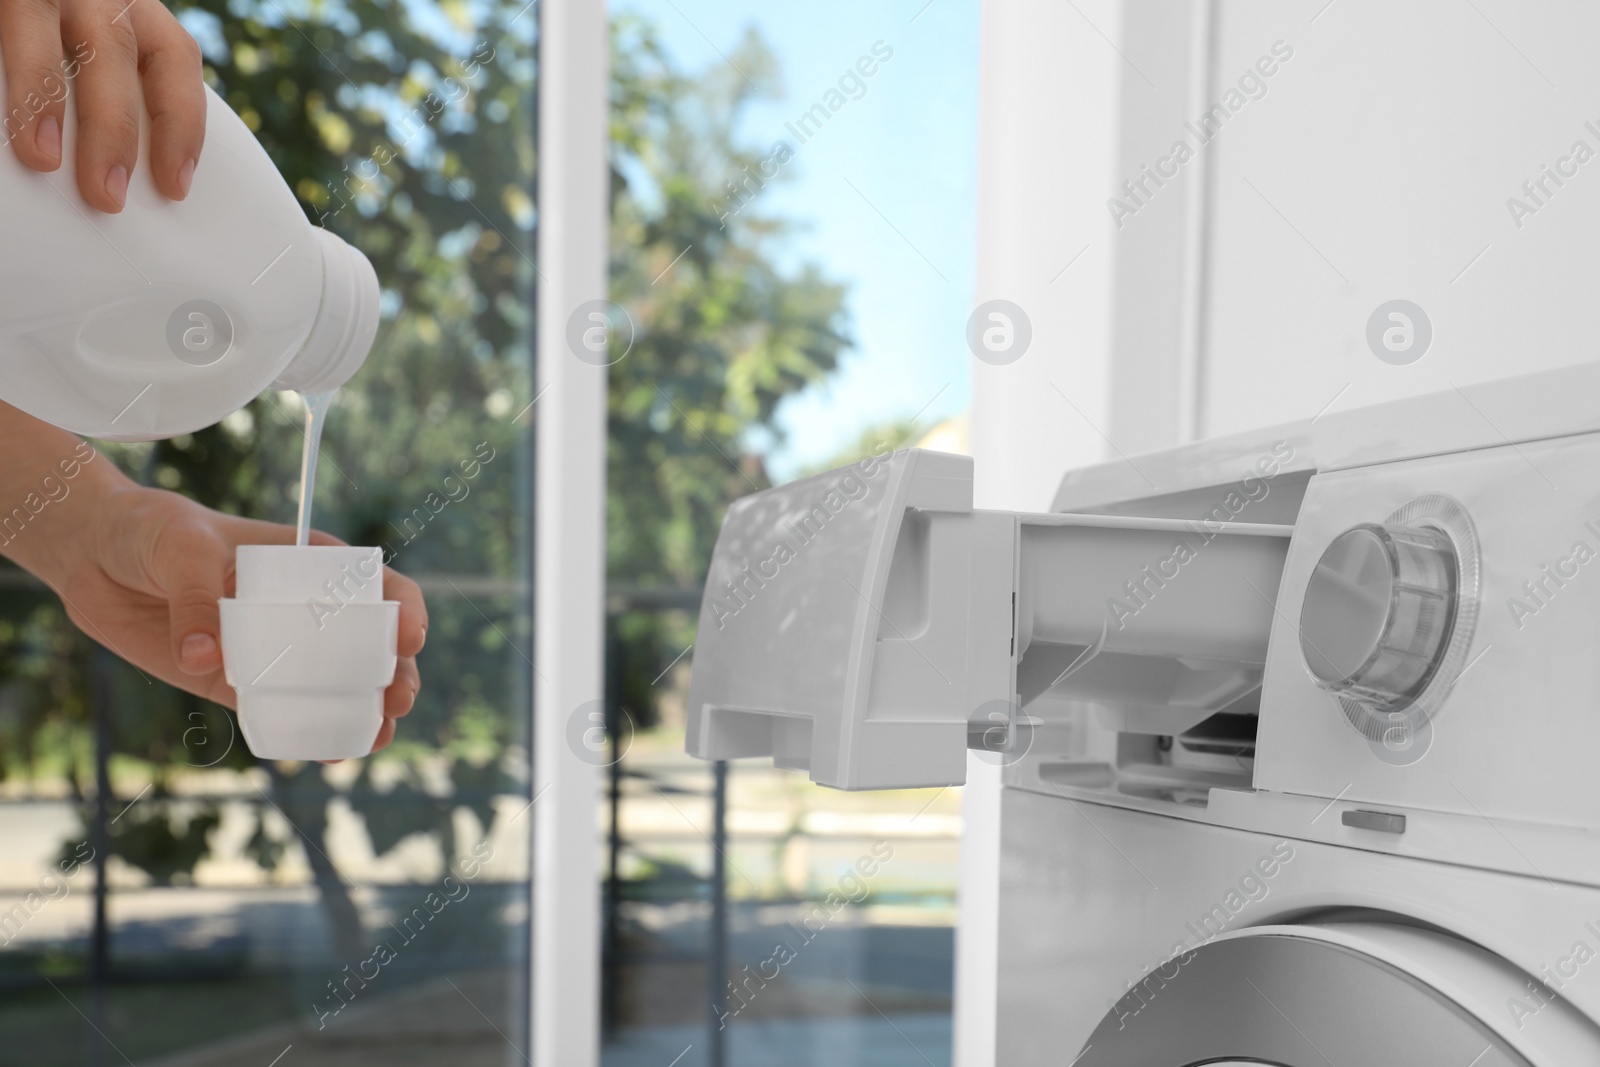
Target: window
pixel 363 911
pixel 793 240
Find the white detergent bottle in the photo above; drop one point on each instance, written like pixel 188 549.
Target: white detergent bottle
pixel 171 315
pixel 165 318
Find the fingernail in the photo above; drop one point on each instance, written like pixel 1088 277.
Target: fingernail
pixel 196 648
pixel 185 176
pixel 117 184
pixel 48 138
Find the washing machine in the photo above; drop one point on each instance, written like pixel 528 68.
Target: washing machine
pixel 1299 729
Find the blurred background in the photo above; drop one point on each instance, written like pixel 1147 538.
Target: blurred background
pixel 798 277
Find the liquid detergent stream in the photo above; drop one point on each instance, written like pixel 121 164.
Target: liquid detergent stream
pixel 317 405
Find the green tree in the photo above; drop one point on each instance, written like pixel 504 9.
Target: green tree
pixel 724 335
pixel 408 130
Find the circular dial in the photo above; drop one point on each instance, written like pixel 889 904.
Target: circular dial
pixel 1378 613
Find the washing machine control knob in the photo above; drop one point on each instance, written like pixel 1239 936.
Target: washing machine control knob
pixel 1378 613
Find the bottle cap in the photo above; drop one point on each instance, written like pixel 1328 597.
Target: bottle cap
pixel 308 643
pixel 346 322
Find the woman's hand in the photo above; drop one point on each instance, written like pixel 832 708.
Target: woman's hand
pixel 112 55
pixel 143 575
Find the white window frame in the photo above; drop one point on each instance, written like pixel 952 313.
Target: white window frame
pixel 569 532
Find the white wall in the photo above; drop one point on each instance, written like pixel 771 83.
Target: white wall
pixel 1046 144
pixel 1391 142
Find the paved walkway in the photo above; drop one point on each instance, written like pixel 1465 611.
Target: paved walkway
pixel 877 1041
pixel 444 1025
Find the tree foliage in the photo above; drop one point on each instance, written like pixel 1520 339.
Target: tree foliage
pixel 407 128
pixel 724 335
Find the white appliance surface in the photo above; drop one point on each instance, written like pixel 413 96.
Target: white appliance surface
pixel 1096 897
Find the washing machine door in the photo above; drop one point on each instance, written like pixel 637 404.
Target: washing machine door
pixel 1372 994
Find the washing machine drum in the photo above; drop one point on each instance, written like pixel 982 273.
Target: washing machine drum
pixel 1358 994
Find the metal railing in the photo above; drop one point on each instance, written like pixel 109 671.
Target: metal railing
pixel 620 602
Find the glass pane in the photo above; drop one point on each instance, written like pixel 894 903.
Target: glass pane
pixel 372 911
pixel 794 239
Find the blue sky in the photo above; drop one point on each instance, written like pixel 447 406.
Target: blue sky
pixel 884 192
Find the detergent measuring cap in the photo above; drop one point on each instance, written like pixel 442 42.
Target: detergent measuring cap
pixel 309 646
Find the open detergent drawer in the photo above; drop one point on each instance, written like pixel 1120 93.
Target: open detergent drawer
pixel 868 625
